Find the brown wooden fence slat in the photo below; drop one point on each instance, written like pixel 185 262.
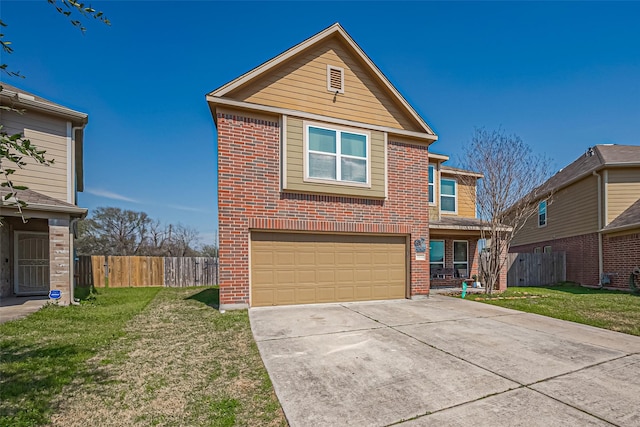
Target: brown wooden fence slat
pixel 143 271
pixel 529 269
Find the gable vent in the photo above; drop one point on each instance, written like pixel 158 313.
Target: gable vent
pixel 335 79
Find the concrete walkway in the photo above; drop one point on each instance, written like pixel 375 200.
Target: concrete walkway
pixel 13 308
pixel 445 361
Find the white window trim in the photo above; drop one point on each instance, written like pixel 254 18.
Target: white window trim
pixel 546 214
pixel 537 250
pixel 329 88
pixel 457 262
pixel 455 196
pixel 435 180
pixel 546 249
pixel 306 125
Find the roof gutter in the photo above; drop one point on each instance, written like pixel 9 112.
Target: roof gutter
pixel 72 210
pixel 621 228
pixel 30 101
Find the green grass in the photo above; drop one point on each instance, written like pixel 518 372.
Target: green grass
pixel 614 310
pixel 135 356
pixel 42 353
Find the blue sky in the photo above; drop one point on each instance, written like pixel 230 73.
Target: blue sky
pixel 563 76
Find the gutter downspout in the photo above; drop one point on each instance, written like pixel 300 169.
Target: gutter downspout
pixel 72 236
pixel 73 161
pixel 74 221
pixel 600 258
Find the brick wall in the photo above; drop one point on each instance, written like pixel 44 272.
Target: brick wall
pixel 581 252
pixel 621 255
pixel 250 198
pixel 59 262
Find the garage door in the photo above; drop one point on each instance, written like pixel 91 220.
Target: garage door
pixel 297 268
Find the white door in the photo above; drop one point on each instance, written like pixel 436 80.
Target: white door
pixel 31 263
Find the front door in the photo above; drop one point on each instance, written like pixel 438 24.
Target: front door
pixel 31 263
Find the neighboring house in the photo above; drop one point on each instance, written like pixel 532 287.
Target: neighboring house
pixel 323 184
pixel 591 212
pixel 36 256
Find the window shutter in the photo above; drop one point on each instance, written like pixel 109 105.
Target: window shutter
pixel 335 79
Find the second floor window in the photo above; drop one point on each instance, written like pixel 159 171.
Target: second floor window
pixel 542 213
pixel 448 195
pixel 432 185
pixel 337 155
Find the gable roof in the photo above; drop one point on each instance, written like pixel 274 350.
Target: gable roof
pixel 457 171
pixel 596 158
pixel 335 30
pixel 20 98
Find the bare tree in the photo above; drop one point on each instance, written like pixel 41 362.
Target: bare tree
pixel 113 231
pixel 182 241
pixel 506 196
pixel 209 251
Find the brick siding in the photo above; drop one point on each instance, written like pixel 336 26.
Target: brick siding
pixel 581 254
pixel 621 256
pixel 250 198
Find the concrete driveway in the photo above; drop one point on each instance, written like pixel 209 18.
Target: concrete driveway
pixel 445 361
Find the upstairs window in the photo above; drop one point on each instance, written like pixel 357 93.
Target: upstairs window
pixel 542 213
pixel 337 155
pixel 432 185
pixel 448 200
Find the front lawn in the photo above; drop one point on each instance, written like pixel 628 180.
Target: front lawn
pixel 614 310
pixel 135 356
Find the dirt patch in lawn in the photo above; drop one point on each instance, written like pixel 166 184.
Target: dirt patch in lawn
pixel 180 363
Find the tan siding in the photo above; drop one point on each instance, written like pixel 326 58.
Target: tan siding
pixel 46 133
pixel 301 84
pixel 623 189
pixel 295 166
pixel 466 195
pixel 573 211
pixel 434 213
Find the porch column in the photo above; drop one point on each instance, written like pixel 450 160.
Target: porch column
pixel 60 272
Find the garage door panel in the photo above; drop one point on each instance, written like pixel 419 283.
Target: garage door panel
pixel 345 258
pixel 284 296
pixel 345 275
pixel 363 275
pixel 306 295
pixel 307 257
pixel 284 277
pixel 292 268
pixel 344 293
pixel 364 292
pixel 325 294
pixel 284 259
pixel 307 276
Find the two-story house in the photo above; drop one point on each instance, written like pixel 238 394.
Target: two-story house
pixel 36 246
pixel 591 211
pixel 323 184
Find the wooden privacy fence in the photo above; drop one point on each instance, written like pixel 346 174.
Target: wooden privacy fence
pixel 141 271
pixel 528 269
